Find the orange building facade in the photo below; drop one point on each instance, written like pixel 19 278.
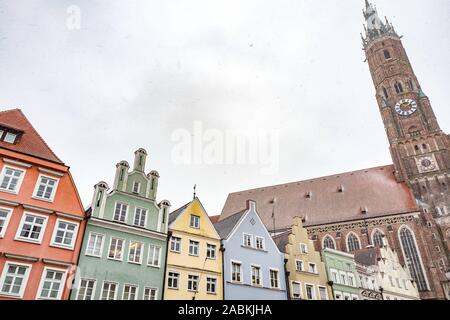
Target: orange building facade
pixel 42 218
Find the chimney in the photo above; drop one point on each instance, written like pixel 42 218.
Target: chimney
pixel 140 156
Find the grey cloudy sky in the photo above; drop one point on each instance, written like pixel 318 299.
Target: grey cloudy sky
pixel 136 71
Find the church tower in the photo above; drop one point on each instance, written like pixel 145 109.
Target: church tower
pixel 419 149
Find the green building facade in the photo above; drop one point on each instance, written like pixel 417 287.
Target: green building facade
pixel 124 247
pixel 342 274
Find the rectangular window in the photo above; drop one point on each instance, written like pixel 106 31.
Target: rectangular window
pixel 303 248
pixel 150 293
pixel 398 283
pixel 135 252
pixel 5 215
pixel 109 291
pixel 323 293
pixel 136 187
pixel 236 272
pixel 210 251
pixel 175 244
pixel 116 249
pixel 195 221
pixel 32 227
pixel 310 292
pixel 343 279
pixel 334 276
pixel 120 213
pixel 312 268
pixel 140 216
pixel 14 279
pixel 95 245
pixel 86 290
pixel 211 285
pixel 173 280
pixel 154 256
pixel 274 279
pixel 45 188
pixel 299 265
pixel 256 276
pixel 259 242
pixel 11 179
pixel 296 290
pixel 129 292
pixel 193 247
pixel 351 280
pixel 248 240
pixel 65 234
pixel 193 282
pixel 52 284
pixel 391 281
pixel 10 137
pixel 405 284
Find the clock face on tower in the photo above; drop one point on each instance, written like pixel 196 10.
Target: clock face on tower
pixel 406 107
pixel 427 164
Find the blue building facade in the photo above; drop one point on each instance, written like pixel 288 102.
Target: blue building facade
pixel 253 264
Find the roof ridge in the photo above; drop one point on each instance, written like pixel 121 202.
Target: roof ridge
pixel 312 179
pixel 230 216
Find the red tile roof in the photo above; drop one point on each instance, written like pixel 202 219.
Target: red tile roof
pixel 30 143
pixel 331 199
pixel 214 219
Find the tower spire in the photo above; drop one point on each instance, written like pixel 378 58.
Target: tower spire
pixel 374 26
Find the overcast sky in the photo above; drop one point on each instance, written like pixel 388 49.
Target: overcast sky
pixel 138 71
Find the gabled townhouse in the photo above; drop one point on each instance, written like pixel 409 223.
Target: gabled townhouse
pixel 194 260
pixel 306 273
pixel 41 215
pixel 123 253
pixel 253 264
pixel 342 275
pixel 391 279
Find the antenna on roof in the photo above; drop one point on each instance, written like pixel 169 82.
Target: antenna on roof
pixel 273 201
pixel 195 193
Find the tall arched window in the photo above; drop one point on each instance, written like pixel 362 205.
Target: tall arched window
pixel 385 93
pixel 377 238
pixel 387 55
pixel 412 258
pixel 353 243
pixel 398 87
pixel 328 242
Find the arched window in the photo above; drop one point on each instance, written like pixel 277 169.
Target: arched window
pixel 411 85
pixel 377 238
pixel 353 243
pixel 328 242
pixel 398 87
pixel 385 93
pixel 412 258
pixel 387 55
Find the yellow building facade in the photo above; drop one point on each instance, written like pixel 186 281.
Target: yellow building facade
pixel 194 259
pixel 307 275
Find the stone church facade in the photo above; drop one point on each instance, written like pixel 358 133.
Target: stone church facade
pixel 408 202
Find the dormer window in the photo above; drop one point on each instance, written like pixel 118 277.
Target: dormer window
pixel 308 195
pixel 340 189
pixel 9 135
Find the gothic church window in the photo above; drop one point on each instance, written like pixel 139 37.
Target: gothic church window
pixel 398 87
pixel 328 242
pixel 412 258
pixel 353 243
pixel 377 239
pixel 385 93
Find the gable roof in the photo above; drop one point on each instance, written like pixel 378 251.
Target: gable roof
pixel 30 142
pixel 331 199
pixel 368 256
pixel 175 214
pixel 214 219
pixel 225 226
pixel 281 240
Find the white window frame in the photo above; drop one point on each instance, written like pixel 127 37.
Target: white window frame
pixel 261 282
pixel 178 280
pixel 172 240
pixel 353 278
pixel 334 271
pixel 314 297
pixel 141 254
pixel 109 249
pixel 296 265
pixel 196 218
pixel 126 212
pixel 216 282
pixel 6 221
pixel 74 238
pixel 263 243
pixel 150 288
pixel 326 292
pixel 61 288
pixel 25 279
pixel 159 256
pixel 278 278
pixel 241 273
pixel 9 133
pixel 315 267
pixel 197 282
pixel 94 287
pixel 207 251
pixel 103 288
pixel 19 182
pixel 345 282
pixel 244 242
pixel 86 253
pixel 305 246
pixel 22 222
pixel 300 290
pixel 198 248
pixel 136 296
pixel 138 188
pixel 38 183
pixel 145 218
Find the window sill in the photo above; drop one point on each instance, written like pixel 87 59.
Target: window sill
pixel 6 295
pixel 43 199
pixel 193 291
pixel 193 255
pixel 9 191
pixel 38 242
pixel 113 259
pixel 92 256
pixel 173 251
pixel 173 288
pixel 152 266
pixel 71 248
pixel 254 249
pixel 136 263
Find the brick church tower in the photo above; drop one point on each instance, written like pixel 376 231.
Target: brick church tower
pixel 420 149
